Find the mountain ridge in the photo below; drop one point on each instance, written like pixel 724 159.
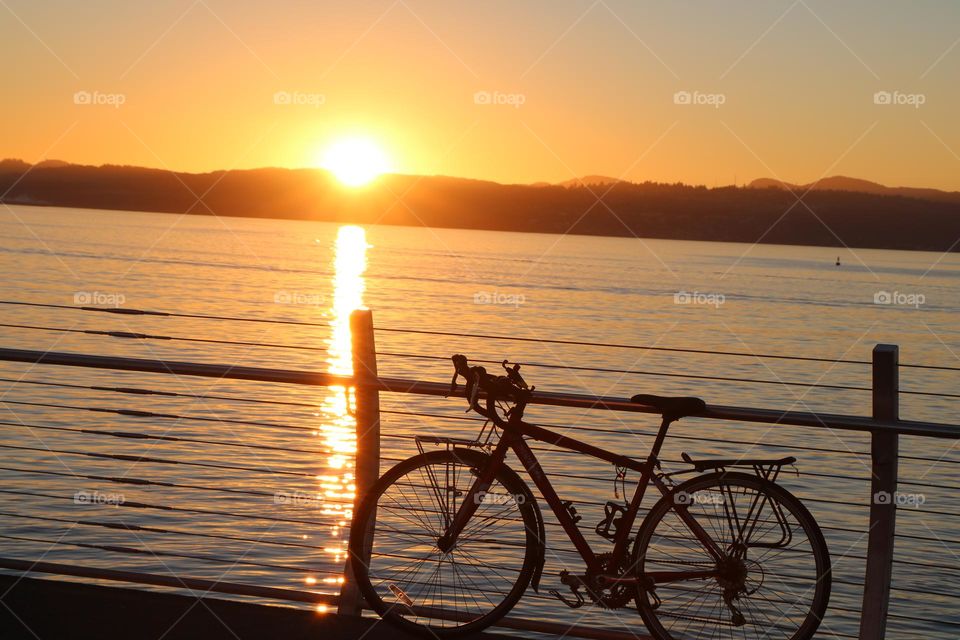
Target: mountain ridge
pixel 858 185
pixel 751 214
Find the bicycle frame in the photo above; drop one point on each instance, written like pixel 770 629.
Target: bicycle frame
pixel 513 439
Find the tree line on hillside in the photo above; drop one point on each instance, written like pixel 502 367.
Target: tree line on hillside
pixel 649 210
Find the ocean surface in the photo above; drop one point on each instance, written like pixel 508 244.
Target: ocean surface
pixel 252 482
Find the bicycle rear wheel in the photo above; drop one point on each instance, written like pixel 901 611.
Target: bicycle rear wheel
pixel 409 581
pixel 772 582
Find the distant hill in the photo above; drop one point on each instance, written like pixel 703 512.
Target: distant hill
pixel 851 217
pixel 843 183
pixel 52 163
pixel 590 181
pixel 12 165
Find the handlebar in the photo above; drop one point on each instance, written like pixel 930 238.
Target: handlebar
pixel 510 387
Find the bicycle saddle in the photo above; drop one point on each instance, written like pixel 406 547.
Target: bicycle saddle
pixel 672 408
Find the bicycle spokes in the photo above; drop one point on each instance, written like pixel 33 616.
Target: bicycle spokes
pixel 415 577
pixel 772 580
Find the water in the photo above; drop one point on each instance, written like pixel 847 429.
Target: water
pixel 710 296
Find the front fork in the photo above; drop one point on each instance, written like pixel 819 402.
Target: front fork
pixel 474 496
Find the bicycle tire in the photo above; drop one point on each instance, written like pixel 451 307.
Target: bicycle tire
pixel 657 618
pixel 375 590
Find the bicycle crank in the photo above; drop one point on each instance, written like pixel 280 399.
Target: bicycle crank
pixel 607 587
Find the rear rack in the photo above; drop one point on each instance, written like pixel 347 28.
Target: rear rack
pixel 766 469
pixel 448 443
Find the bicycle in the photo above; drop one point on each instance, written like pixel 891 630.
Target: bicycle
pixel 724 553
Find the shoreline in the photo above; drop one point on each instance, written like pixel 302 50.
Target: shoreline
pixel 625 236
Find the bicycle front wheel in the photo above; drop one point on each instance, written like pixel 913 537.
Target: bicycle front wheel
pixel 772 581
pixel 414 584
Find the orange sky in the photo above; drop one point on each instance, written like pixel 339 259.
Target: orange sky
pixel 781 88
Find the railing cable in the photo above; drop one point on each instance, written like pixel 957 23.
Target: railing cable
pixel 171 314
pixel 169 554
pixel 156 392
pixel 147 459
pixel 123 526
pixel 149 336
pixel 662 374
pixel 158 483
pixel 611 345
pixel 150 436
pixel 136 413
pixel 691 376
pixel 162 507
pixel 141 312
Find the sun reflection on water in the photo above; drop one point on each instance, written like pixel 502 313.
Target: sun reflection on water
pixel 338 425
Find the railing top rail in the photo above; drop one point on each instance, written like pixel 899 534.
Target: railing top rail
pixel 207 370
pixel 177 582
pixel 403 385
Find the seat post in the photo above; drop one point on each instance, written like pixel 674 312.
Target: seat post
pixel 661 436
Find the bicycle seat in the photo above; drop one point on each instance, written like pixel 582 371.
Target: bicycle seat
pixel 672 408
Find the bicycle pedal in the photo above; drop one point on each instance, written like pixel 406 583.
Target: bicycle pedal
pixel 400 595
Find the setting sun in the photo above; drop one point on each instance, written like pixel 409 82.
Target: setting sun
pixel 355 161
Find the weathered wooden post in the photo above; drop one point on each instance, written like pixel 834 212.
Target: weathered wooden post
pixel 367 399
pixel 884 451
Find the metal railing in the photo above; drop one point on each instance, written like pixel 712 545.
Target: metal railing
pixel 884 429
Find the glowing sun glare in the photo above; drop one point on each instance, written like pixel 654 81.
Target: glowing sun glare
pixel 355 161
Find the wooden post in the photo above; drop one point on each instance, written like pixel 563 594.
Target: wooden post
pixel 367 399
pixel 884 451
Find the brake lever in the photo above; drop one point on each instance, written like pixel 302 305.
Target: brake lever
pixel 513 374
pixel 459 364
pixel 453 384
pixel 474 392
